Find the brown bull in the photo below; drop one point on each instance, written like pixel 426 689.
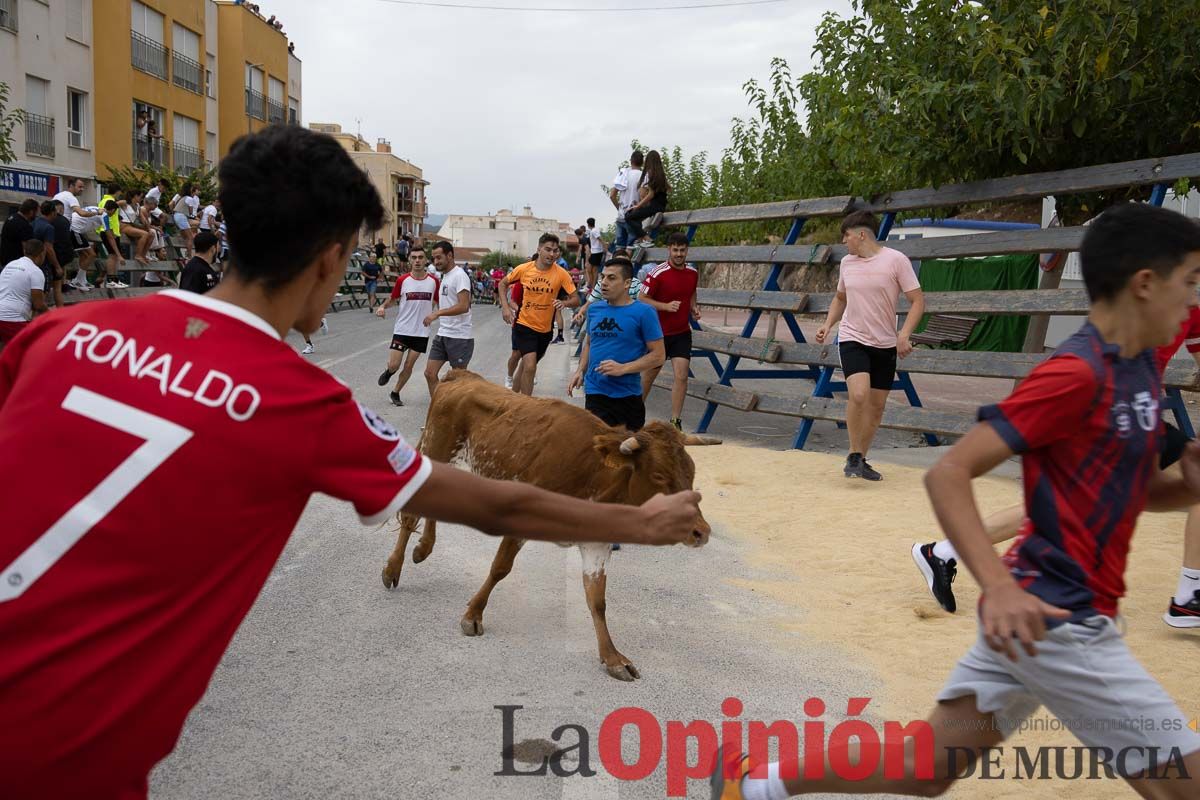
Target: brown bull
pixel 551 444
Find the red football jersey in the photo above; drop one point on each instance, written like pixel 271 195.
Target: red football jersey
pixel 665 284
pixel 157 455
pixel 1189 335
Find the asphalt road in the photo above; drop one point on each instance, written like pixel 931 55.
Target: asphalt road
pixel 338 688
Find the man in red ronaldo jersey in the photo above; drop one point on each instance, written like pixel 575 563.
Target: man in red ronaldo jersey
pixel 1086 423
pixel 120 589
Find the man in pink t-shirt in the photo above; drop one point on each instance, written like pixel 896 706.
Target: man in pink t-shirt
pixel 871 279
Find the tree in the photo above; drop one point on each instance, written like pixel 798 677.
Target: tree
pixel 145 175
pixel 494 258
pixel 910 93
pixel 8 121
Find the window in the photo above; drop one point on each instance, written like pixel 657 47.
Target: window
pixel 76 118
pixel 256 104
pixel 187 144
pixel 276 110
pixel 37 95
pixel 39 125
pixel 147 52
pixel 210 86
pixel 147 22
pixel 293 111
pixel 8 15
pixel 210 148
pixel 77 27
pixel 187 72
pixel 148 142
pixel 254 78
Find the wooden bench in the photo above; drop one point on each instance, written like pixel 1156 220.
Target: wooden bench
pixel 945 329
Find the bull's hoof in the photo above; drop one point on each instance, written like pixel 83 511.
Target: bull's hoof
pixel 419 554
pixel 623 672
pixel 390 580
pixel 471 627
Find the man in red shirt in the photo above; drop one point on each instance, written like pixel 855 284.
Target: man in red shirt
pixel 121 588
pixel 938 561
pixel 670 289
pixel 1086 423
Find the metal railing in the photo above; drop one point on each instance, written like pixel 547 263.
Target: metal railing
pixel 187 158
pixel 148 55
pixel 256 104
pixel 155 152
pixel 276 112
pixel 8 15
pixel 39 135
pixel 292 119
pixel 187 73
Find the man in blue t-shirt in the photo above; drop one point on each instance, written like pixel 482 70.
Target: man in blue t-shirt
pixel 624 339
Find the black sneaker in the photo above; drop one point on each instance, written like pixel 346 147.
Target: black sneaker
pixel 1186 615
pixel 559 340
pixel 385 376
pixel 395 398
pixel 939 574
pixel 853 467
pixel 868 472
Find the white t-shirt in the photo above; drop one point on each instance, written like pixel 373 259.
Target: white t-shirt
pixel 70 202
pixel 627 192
pixel 18 280
pixel 155 194
pixel 193 204
pixel 206 219
pixel 82 224
pixel 594 238
pixel 455 280
pixel 414 301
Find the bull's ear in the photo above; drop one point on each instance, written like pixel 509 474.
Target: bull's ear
pixel 615 449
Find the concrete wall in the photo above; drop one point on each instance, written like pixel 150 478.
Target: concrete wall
pixel 243 38
pixel 42 49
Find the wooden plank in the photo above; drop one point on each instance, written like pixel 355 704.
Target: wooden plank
pixel 1003 301
pixel 753 254
pixel 1041 240
pixel 737 399
pixel 766 301
pixel 786 209
pixel 931 362
pixel 757 349
pixel 896 416
pixel 1018 187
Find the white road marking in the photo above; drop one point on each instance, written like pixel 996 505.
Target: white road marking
pixel 333 362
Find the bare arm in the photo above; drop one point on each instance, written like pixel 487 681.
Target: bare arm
pixel 614 196
pixel 37 298
pixel 509 508
pixel 837 307
pixel 1007 610
pixel 461 307
pixel 916 299
pixel 655 356
pixel 1171 491
pixel 577 379
pixel 669 307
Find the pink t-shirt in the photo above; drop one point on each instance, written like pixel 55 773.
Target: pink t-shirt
pixel 872 286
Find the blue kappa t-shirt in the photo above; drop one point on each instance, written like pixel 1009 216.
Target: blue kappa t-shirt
pixel 623 334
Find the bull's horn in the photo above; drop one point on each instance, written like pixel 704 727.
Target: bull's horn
pixel 693 439
pixel 630 446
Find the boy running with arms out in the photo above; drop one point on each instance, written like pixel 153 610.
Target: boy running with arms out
pixel 1086 423
pixel 415 295
pixel 115 607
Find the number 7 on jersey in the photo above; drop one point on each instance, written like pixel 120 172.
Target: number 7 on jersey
pixel 161 439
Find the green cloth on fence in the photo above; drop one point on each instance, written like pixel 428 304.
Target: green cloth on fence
pixel 997 334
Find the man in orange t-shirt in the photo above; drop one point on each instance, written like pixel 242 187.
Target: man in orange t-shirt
pixel 546 288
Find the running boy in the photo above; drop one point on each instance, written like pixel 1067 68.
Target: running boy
pixel 416 296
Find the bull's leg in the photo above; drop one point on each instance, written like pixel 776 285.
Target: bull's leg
pixel 425 545
pixel 595 558
pixel 472 621
pixel 395 562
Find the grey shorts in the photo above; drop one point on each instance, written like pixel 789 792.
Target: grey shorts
pixel 1085 675
pixel 457 351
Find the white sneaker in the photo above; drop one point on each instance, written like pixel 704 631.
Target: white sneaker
pixel 308 350
pixel 324 326
pixel 508 383
pixel 116 285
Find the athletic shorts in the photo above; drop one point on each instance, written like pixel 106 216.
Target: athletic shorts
pixel 617 411
pixel 1085 675
pixel 527 340
pixel 82 243
pixel 678 345
pixel 417 344
pixel 181 222
pixel 1173 444
pixel 369 285
pixel 457 351
pixel 596 259
pixel 9 330
pixel 879 362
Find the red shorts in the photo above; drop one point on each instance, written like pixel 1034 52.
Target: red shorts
pixel 9 330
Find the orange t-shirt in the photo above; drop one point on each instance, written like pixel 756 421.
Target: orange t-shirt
pixel 539 290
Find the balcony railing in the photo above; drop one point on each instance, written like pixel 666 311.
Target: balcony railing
pixel 148 55
pixel 292 118
pixel 8 15
pixel 155 152
pixel 187 73
pixel 256 104
pixel 276 112
pixel 39 135
pixel 187 158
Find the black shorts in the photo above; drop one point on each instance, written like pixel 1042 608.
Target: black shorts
pixel 527 340
pixel 879 362
pixel 678 345
pixel 616 411
pixel 417 344
pixel 1174 442
pixel 82 243
pixel 596 259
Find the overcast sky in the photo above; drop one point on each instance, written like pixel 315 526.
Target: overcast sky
pixel 506 109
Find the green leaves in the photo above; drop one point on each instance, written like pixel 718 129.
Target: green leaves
pixel 8 121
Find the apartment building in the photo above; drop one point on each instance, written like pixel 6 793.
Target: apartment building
pixel 46 61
